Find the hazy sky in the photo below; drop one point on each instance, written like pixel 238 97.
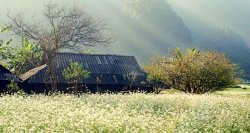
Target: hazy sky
pixel 201 14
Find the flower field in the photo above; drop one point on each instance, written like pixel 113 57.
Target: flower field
pixel 125 113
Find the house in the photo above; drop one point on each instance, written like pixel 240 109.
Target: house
pixel 6 77
pixel 107 73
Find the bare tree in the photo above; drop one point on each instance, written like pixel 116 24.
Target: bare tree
pixel 61 28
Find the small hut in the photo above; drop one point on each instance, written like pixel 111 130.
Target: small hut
pixel 107 73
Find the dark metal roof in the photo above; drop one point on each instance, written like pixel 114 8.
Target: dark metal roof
pixel 110 69
pixel 6 75
pixel 32 72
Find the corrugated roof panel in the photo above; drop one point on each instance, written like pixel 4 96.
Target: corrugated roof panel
pixel 6 75
pixel 102 66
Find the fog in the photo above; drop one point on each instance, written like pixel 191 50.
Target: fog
pixel 202 16
pixel 141 30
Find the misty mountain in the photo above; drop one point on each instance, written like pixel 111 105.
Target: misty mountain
pixel 159 23
pixel 205 16
pixel 227 41
pixel 142 28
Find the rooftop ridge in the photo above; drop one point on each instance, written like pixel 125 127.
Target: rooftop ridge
pixel 95 54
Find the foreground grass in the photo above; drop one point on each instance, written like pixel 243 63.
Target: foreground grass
pixel 125 113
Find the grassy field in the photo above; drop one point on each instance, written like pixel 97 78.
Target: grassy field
pixel 125 113
pixel 235 91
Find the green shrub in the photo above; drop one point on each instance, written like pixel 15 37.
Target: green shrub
pixel 13 88
pixel 193 71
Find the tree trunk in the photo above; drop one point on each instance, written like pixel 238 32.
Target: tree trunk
pixel 75 88
pixel 53 82
pixel 130 86
pixel 52 72
pixel 188 88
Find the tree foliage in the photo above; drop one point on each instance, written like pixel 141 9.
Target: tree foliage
pixel 193 71
pixel 61 28
pixel 74 73
pixel 13 88
pixel 155 72
pixel 19 59
pixel 26 57
pixel 4 47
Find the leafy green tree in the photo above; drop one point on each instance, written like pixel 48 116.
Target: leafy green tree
pixel 20 59
pixel 74 73
pixel 4 29
pixel 12 88
pixel 26 57
pixel 4 47
pixel 155 72
pixel 194 71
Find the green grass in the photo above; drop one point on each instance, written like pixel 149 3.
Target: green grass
pixel 240 92
pixel 235 91
pixel 125 113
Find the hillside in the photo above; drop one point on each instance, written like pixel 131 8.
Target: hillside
pixel 142 28
pixel 226 40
